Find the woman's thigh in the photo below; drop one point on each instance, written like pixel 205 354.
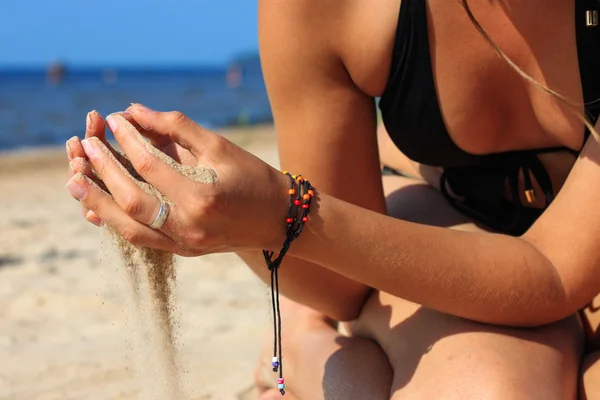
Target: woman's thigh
pixel 436 355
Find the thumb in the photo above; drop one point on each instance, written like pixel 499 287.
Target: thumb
pixel 174 124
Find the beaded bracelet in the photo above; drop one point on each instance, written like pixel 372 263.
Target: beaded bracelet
pixel 301 193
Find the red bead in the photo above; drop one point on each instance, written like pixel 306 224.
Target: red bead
pixel 297 202
pixel 305 205
pixel 304 219
pixel 289 220
pixel 280 380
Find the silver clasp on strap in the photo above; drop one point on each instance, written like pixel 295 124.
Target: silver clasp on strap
pixel 591 18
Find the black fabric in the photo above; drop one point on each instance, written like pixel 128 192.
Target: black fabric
pixel 412 117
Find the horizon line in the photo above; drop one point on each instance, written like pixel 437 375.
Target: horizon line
pixel 128 65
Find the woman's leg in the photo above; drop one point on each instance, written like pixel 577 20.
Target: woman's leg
pixel 320 363
pixel 435 355
pixel 440 356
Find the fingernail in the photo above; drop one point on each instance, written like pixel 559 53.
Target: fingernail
pixel 88 121
pixel 76 190
pixel 93 218
pixel 88 147
pixel 69 151
pixel 112 124
pixel 141 107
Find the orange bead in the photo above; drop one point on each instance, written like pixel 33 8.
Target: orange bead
pixel 292 191
pixel 311 192
pixel 306 197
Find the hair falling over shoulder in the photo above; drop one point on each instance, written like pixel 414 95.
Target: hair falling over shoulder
pixel 574 107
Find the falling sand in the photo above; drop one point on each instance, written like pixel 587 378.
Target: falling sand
pixel 151 277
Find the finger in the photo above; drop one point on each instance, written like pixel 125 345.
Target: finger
pixel 155 167
pixel 84 190
pixel 174 124
pixel 74 167
pixel 163 142
pixel 91 217
pixel 141 205
pixel 80 165
pixel 156 139
pixel 84 167
pixel 74 149
pixel 95 126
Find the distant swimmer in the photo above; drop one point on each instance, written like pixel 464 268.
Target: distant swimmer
pixel 55 72
pixel 234 76
pixel 109 75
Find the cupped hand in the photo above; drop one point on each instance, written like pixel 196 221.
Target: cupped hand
pixel 232 200
pixel 95 126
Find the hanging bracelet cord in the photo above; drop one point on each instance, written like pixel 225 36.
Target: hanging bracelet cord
pixel 301 193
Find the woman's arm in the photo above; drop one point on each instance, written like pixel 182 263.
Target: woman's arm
pixel 328 134
pixel 326 130
pixel 543 276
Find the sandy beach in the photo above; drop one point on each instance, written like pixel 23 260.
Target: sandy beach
pixel 65 330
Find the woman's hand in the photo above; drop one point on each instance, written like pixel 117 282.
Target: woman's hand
pixel 96 127
pixel 240 205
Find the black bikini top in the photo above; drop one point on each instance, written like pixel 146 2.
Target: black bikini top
pixel 412 117
pixel 409 104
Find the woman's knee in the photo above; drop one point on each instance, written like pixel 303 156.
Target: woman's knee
pixel 435 355
pixel 357 368
pixel 321 363
pixel 487 362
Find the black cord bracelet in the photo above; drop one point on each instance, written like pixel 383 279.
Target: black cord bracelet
pixel 301 193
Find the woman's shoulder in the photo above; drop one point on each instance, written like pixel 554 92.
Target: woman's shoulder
pixel 360 33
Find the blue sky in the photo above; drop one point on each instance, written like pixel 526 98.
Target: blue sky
pixel 125 32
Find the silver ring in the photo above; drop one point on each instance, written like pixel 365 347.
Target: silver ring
pixel 161 217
